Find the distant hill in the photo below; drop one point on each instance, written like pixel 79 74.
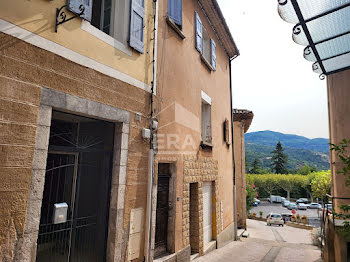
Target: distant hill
pixel 300 150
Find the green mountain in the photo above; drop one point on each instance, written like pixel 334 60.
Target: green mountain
pixel 300 150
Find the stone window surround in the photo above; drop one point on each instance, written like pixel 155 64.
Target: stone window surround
pixel 50 99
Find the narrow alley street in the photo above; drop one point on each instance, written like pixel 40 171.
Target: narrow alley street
pixel 268 244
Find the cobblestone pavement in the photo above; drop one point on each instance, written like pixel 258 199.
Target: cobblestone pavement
pixel 268 244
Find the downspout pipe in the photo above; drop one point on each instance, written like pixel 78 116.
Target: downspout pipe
pixel 149 209
pixel 233 158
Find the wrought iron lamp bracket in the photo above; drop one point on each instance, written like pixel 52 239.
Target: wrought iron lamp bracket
pixel 61 16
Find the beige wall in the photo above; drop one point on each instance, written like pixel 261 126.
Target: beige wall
pixel 339 111
pixel 238 128
pixel 38 16
pixel 181 77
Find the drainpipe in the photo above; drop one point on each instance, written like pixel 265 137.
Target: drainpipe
pixel 149 210
pixel 233 159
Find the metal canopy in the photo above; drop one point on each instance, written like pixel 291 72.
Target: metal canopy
pixel 323 26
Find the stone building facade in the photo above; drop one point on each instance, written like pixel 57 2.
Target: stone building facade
pixel 242 120
pixel 192 106
pixel 81 97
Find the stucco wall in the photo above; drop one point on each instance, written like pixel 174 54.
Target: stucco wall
pixel 338 86
pixel 24 69
pixel 38 16
pixel 339 110
pixel 181 77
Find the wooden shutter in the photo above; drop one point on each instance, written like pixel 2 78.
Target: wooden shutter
pixel 199 34
pixel 213 53
pixel 76 6
pixel 137 21
pixel 175 11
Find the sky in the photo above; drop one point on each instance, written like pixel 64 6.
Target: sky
pixel 271 77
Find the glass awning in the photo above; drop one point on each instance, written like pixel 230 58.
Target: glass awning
pixel 323 26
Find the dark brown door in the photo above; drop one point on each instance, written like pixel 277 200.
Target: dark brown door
pixel 162 214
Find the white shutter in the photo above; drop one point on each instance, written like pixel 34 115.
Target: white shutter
pixel 77 6
pixel 213 53
pixel 137 21
pixel 207 209
pixel 199 34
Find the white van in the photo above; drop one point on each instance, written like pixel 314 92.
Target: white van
pixel 275 199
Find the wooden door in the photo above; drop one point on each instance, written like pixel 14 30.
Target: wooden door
pixel 162 215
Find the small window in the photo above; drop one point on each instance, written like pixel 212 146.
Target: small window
pixel 112 17
pixel 124 20
pixel 204 44
pixel 206 122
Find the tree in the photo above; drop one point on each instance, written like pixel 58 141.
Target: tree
pixel 321 185
pixel 307 184
pixel 256 169
pixel 279 160
pixel 288 183
pixel 304 170
pixel 270 183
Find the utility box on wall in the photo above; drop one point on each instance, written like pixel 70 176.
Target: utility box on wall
pixel 136 224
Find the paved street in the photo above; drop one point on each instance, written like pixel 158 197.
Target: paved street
pixel 268 244
pixel 267 208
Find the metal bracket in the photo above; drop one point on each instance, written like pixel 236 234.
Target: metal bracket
pixel 61 16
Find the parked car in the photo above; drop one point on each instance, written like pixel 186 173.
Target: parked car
pixel 328 206
pixel 302 206
pixel 285 203
pixel 275 199
pixel 315 206
pixel 286 217
pixel 292 206
pixel 274 219
pixel 302 200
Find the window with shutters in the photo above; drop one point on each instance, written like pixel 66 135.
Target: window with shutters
pixel 112 17
pixel 121 20
pixel 204 44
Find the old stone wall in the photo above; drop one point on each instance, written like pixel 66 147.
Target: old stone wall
pixel 199 169
pixel 240 173
pixel 24 70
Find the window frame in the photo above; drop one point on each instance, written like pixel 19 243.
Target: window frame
pixel 206 102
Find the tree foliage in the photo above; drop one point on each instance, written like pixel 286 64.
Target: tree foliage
pixel 321 185
pixel 286 185
pixel 279 160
